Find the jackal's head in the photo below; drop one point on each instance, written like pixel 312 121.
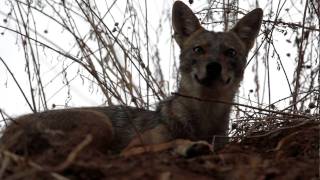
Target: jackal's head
pixel 212 62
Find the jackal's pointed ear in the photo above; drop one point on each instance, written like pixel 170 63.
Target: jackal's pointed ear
pixel 248 27
pixel 184 22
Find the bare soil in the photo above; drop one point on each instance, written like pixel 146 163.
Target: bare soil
pixel 288 153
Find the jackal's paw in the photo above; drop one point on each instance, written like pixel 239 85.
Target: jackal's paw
pixel 193 149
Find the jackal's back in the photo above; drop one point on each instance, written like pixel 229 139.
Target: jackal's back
pixel 112 128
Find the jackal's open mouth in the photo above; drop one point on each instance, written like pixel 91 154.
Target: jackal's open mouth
pixel 208 81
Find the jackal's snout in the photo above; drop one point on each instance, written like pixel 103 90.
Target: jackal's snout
pixel 212 73
pixel 213 70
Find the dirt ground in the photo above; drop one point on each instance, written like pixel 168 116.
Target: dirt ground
pixel 288 153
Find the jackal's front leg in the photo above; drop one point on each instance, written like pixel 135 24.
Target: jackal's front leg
pixel 158 139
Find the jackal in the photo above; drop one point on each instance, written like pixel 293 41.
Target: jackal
pixel 211 68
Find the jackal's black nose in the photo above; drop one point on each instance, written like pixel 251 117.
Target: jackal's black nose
pixel 214 70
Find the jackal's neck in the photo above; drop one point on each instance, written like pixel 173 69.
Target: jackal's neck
pixel 192 116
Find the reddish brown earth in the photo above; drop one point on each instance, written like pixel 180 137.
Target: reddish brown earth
pixel 291 153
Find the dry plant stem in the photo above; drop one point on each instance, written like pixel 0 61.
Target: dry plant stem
pixel 99 36
pixel 47 16
pixel 17 83
pixel 316 8
pixel 300 61
pixel 6 117
pixel 279 8
pixel 308 93
pixel 276 23
pixel 148 59
pixel 86 51
pixel 225 14
pixel 70 159
pixel 32 58
pixel 36 65
pixel 238 104
pixel 283 128
pixel 24 25
pixel 103 87
pixel 18 159
pixel 3 119
pixel 116 62
pixel 279 22
pixel 61 53
pixel 297 101
pixel 281 64
pixel 148 73
pixel 72 156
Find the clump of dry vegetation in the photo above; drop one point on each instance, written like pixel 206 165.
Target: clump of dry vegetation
pixel 119 52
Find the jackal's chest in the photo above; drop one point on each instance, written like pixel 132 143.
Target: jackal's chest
pixel 211 119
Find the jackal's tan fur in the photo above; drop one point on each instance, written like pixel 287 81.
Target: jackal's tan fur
pixel 211 67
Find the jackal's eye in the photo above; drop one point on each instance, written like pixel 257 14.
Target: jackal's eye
pixel 198 50
pixel 230 52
